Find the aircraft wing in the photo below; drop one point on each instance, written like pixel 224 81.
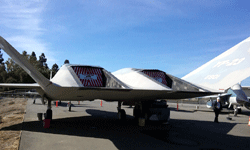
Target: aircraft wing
pixel 81 82
pixel 112 94
pixel 23 62
pixel 115 94
pixel 225 70
pixel 20 85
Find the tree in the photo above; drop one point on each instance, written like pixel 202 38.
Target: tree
pixel 33 54
pixel 43 60
pixel 33 60
pixel 13 73
pixel 54 69
pixel 66 61
pixel 1 57
pixel 3 73
pixel 24 53
pixel 24 77
pixel 42 66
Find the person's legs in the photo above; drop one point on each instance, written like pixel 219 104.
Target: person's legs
pixel 216 116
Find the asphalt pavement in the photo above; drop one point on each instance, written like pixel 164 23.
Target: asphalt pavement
pixel 90 126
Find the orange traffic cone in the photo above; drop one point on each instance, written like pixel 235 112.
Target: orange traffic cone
pixel 56 103
pixel 101 103
pixel 249 121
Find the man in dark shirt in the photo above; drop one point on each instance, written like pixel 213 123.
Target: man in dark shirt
pixel 217 109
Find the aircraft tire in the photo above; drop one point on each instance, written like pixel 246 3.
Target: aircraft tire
pixel 239 111
pixel 70 107
pixel 136 112
pixel 121 114
pixel 141 121
pixel 44 124
pixel 235 112
pixel 48 114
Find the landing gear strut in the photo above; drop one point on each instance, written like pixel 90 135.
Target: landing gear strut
pixel 121 112
pixel 141 114
pixel 69 105
pixel 154 110
pixel 236 110
pixel 48 115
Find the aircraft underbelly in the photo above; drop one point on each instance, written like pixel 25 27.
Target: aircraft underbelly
pixel 71 93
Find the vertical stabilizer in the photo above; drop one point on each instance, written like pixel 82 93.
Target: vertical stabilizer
pixel 225 70
pixel 23 62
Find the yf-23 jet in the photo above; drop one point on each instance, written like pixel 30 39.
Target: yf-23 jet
pixel 138 87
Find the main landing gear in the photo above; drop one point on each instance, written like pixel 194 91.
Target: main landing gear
pixel 144 111
pixel 237 110
pixel 137 114
pixel 141 113
pixel 121 112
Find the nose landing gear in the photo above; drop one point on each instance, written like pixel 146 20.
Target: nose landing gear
pixel 48 116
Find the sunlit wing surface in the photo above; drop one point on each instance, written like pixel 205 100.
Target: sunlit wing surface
pixel 225 70
pixel 153 79
pixel 20 85
pixel 137 79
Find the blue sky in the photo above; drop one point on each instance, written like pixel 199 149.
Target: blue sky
pixel 170 35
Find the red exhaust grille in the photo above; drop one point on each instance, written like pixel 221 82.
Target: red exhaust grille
pixel 89 76
pixel 157 75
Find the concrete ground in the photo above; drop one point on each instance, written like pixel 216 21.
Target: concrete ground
pixel 90 126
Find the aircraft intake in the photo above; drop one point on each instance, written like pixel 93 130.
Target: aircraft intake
pixel 247 105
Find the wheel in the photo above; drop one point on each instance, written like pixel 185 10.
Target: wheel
pixel 48 114
pixel 40 116
pixel 44 101
pixel 235 112
pixel 136 112
pixel 121 114
pixel 141 122
pixel 70 107
pixel 44 124
pixel 239 111
pixel 146 116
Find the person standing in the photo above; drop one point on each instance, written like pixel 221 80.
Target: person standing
pixel 217 109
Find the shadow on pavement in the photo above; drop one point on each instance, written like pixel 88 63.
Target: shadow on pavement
pixel 128 135
pixel 182 110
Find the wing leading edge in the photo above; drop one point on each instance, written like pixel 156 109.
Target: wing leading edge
pixel 20 85
pixel 22 62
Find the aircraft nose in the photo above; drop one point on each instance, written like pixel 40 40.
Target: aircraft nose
pixel 242 98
